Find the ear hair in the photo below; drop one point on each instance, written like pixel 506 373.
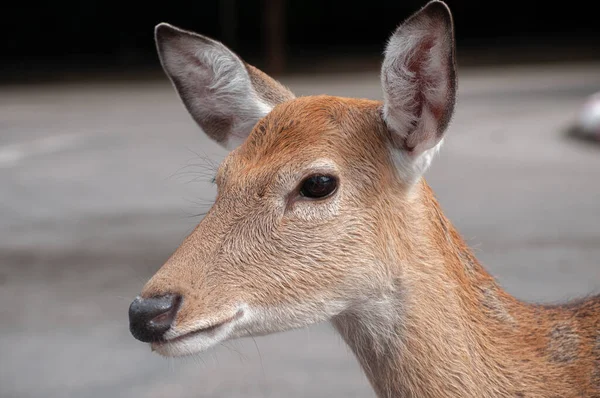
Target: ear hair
pixel 224 95
pixel 419 84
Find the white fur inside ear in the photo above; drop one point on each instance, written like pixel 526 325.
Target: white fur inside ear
pixel 213 83
pixel 418 81
pixel 410 167
pixel 231 93
pixel 403 84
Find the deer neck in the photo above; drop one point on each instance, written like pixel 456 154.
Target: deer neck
pixel 443 327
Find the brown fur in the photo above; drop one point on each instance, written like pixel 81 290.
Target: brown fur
pixel 271 91
pixel 445 327
pixel 378 257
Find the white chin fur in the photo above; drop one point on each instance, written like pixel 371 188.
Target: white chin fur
pixel 252 321
pixel 191 345
pixel 181 345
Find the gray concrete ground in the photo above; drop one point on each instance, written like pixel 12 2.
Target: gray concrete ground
pixel 100 182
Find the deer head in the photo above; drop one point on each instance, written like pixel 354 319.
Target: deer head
pixel 300 231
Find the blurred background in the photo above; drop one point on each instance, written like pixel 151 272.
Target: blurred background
pixel 103 173
pixel 67 39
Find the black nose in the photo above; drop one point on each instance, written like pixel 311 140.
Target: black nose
pixel 150 318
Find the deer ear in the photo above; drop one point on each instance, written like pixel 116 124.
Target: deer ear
pixel 419 85
pixel 224 95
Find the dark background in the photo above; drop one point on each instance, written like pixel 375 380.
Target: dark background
pixel 53 40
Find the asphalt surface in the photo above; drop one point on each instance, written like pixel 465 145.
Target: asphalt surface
pixel 100 182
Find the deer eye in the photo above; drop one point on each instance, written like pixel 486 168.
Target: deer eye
pixel 318 186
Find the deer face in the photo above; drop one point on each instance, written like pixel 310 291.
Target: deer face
pixel 299 230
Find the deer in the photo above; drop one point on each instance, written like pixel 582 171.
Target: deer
pixel 322 213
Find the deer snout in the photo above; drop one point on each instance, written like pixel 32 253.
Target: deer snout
pixel 150 318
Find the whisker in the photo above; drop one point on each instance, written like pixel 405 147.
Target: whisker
pixel 242 356
pixel 207 160
pixel 205 170
pixel 195 168
pixel 200 201
pixel 215 358
pixel 264 375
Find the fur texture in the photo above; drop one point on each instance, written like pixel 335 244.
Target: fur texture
pixel 419 86
pixel 378 257
pixel 225 96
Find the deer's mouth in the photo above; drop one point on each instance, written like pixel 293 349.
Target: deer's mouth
pixel 205 336
pixel 207 330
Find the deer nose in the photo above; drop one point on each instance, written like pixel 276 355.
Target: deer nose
pixel 150 318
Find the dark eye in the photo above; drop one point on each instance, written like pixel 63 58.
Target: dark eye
pixel 318 186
